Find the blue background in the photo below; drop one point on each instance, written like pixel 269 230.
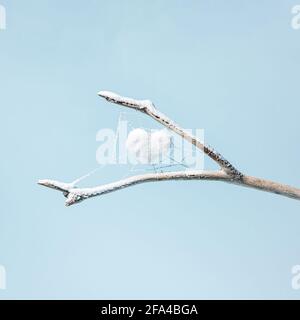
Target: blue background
pixel 230 67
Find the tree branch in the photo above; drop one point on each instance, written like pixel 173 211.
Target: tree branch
pixel 75 195
pixel 228 172
pixel 146 106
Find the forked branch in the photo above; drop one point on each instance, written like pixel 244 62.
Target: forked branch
pixel 148 107
pixel 228 172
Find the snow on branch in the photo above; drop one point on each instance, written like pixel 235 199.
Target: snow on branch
pixel 75 195
pixel 228 172
pixel 141 105
pixel 148 107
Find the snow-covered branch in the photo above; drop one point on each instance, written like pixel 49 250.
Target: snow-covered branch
pixel 146 106
pixel 228 172
pixel 75 195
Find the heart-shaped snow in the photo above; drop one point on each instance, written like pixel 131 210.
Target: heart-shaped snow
pixel 146 147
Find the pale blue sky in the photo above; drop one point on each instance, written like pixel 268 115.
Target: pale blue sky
pixel 230 67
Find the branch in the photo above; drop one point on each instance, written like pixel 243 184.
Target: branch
pixel 146 106
pixel 75 195
pixel 228 173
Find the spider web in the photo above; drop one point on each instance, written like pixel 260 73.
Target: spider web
pixel 164 165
